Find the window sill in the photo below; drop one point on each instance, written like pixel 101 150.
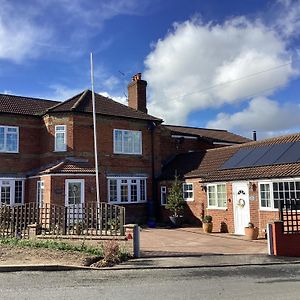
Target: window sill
pixel 9 152
pixel 58 151
pixel 129 203
pixel 123 153
pixel 189 200
pixel 269 209
pixel 217 208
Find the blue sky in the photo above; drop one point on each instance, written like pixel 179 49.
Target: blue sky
pixel 222 64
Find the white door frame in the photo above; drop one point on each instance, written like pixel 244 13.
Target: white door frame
pixel 241 206
pixel 67 181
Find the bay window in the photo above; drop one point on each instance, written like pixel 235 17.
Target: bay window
pixel 127 190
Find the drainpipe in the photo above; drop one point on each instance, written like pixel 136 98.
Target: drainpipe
pixel 153 211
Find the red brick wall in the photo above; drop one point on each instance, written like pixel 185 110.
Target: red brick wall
pixel 29 144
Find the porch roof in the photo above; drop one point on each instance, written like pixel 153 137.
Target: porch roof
pixel 66 166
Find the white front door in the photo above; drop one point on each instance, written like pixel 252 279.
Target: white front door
pixel 241 208
pixel 74 200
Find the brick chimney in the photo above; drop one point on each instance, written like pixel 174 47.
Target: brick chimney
pixel 137 93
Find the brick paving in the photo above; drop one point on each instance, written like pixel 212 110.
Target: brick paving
pixel 193 242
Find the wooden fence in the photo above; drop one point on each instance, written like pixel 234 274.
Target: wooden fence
pixel 89 219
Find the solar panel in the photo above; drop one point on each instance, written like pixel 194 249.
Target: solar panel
pixel 291 155
pixel 263 156
pixel 253 156
pixel 236 158
pixel 270 157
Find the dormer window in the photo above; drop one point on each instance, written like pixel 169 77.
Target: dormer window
pixel 9 139
pixel 127 141
pixel 60 138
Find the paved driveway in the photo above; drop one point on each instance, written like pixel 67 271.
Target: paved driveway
pixel 192 241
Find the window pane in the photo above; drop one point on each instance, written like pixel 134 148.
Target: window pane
pixel 74 192
pixel 143 190
pixel 113 197
pixel 163 195
pixel 60 138
pixel 133 193
pixel 124 193
pixel 212 195
pixel 2 145
pixel 12 142
pixel 265 195
pixel 127 139
pixel 118 141
pixel 18 191
pixel 136 142
pixel 5 195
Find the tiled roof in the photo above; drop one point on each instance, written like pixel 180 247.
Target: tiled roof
pixel 24 105
pixel 65 166
pixel 209 168
pixel 105 106
pixel 215 135
pixel 181 165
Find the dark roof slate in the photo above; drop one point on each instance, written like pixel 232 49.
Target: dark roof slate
pixel 24 105
pixel 105 106
pixel 216 135
pixel 209 168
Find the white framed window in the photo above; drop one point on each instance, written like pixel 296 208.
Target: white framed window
pixel 60 138
pixel 127 190
pixel 9 139
pixel 217 196
pixel 188 191
pixel 163 195
pixel 127 141
pixel 272 192
pixel 40 193
pixel 74 191
pixel 11 191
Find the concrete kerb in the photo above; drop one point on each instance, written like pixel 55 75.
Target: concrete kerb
pixel 136 266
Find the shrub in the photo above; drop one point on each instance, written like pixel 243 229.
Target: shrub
pixel 207 219
pixel 175 201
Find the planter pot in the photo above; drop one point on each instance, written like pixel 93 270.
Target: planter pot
pixel 176 221
pixel 207 227
pixel 251 233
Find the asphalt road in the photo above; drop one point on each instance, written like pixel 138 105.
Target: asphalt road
pixel 262 282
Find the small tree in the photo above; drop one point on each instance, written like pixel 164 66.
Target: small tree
pixel 175 201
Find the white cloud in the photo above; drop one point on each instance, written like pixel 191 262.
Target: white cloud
pixel 198 66
pixel 19 36
pixel 122 100
pixel 29 28
pixel 264 115
pixel 62 93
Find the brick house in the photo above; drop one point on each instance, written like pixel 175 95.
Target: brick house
pixel 47 153
pixel 238 184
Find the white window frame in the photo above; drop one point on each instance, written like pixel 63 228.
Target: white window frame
pixel 57 131
pixel 270 182
pixel 188 191
pixel 5 139
pixel 163 193
pixel 67 181
pixel 12 184
pixel 128 184
pixel 123 151
pixel 40 190
pixel 216 195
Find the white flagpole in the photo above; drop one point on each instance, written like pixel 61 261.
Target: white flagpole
pixel 95 131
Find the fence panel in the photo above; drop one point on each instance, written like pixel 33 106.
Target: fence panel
pixel 82 219
pixel 290 215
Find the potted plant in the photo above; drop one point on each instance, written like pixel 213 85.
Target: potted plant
pixel 207 224
pixel 251 232
pixel 175 202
